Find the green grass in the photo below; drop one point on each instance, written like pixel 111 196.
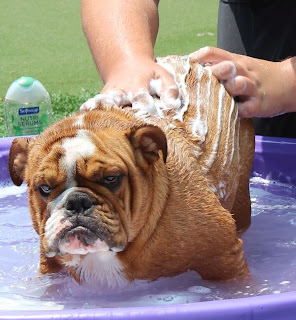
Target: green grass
pixel 186 25
pixel 44 40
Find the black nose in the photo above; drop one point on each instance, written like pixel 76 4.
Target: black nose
pixel 79 202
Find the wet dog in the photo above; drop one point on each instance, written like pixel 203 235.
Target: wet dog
pixel 118 194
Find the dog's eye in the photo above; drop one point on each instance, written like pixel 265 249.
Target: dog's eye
pixel 112 182
pixel 45 190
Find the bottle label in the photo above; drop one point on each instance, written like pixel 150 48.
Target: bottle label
pixel 27 120
pixel 29 124
pixel 32 110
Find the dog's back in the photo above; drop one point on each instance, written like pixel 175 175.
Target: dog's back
pixel 223 142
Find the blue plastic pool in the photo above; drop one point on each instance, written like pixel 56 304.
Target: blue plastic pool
pixel 270 249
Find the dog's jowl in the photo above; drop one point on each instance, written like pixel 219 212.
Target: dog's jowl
pixel 118 194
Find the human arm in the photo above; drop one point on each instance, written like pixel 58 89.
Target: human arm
pixel 262 88
pixel 121 35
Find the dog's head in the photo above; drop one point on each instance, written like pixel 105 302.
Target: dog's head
pixel 90 180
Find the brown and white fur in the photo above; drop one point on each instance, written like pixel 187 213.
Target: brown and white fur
pixel 121 194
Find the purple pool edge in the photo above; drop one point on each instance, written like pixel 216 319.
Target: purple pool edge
pixel 275 159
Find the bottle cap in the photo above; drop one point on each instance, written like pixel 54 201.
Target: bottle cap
pixel 25 81
pixel 26 90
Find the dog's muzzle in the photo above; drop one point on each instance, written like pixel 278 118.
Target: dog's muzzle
pixel 76 228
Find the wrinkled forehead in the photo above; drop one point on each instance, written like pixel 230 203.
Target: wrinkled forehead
pixel 76 147
pixel 79 146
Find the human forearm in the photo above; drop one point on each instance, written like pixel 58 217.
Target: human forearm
pixel 121 36
pixel 119 30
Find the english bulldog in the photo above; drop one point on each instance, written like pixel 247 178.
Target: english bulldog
pixel 117 194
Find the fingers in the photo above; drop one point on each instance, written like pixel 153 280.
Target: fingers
pixel 247 109
pixel 240 86
pixel 168 91
pixel 142 101
pixel 139 92
pixel 233 70
pixel 210 55
pixel 225 70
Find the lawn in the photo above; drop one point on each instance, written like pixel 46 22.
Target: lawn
pixel 44 40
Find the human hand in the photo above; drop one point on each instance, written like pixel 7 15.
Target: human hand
pixel 133 83
pixel 262 88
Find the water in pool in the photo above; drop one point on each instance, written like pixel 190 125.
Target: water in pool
pixel 269 244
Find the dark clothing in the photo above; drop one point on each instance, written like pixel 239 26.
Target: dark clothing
pixel 262 29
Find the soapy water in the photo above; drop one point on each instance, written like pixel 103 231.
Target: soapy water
pixel 269 245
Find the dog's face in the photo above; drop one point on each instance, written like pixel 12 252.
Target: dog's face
pixel 88 189
pixel 85 196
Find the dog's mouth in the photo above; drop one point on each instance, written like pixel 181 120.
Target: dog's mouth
pixel 80 240
pixel 83 234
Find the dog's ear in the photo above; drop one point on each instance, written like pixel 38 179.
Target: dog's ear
pixel 18 155
pixel 149 140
